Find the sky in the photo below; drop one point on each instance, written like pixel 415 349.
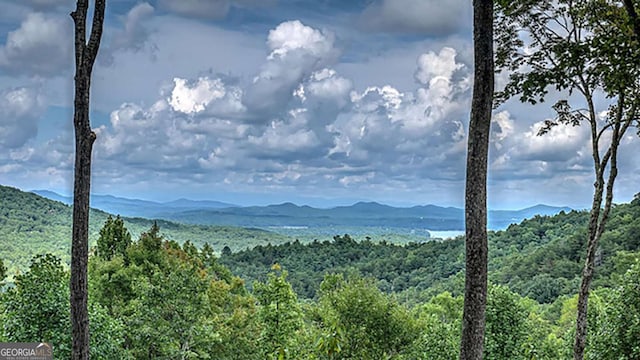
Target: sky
pixel 252 102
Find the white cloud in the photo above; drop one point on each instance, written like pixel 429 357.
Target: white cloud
pixel 20 109
pixel 133 37
pixel 414 131
pixel 296 51
pixel 40 46
pixel 561 143
pixel 182 49
pixel 324 131
pixel 502 127
pixel 293 35
pixel 433 67
pixel 193 99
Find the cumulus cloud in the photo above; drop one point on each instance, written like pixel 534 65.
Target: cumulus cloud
pixel 194 98
pixel 299 122
pixel 296 51
pixel 209 96
pixel 562 143
pixel 133 37
pixel 519 153
pixel 502 127
pixel 39 46
pixel 431 17
pixel 20 109
pixel 415 132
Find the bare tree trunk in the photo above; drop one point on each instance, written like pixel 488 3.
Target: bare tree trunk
pixel 475 292
pixel 599 217
pixel 84 138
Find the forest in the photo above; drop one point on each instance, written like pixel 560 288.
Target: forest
pixel 155 297
pixel 550 287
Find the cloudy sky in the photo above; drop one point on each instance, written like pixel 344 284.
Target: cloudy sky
pixel 318 102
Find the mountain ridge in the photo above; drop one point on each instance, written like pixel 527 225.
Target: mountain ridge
pixel 362 213
pixel 136 207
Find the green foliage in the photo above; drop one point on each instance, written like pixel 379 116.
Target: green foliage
pixel 160 298
pixel 279 314
pixel 540 258
pixel 617 329
pixel 114 238
pixel 37 309
pixel 441 321
pixel 396 267
pixel 363 323
pixel 237 327
pixel 174 301
pixel 506 320
pixel 30 224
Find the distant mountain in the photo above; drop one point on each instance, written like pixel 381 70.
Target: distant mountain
pixel 31 224
pixel 137 207
pixel 53 196
pixel 208 212
pixel 430 217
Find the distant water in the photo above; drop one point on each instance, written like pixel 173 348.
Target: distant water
pixel 376 232
pixel 445 234
pixel 275 228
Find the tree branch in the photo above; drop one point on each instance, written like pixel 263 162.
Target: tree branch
pixel 633 16
pixel 96 32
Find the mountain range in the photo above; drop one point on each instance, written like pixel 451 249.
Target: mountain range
pixel 137 207
pixel 207 212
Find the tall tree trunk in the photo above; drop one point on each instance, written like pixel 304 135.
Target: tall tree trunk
pixel 599 217
pixel 85 54
pixel 475 292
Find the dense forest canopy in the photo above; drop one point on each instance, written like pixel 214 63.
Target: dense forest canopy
pixel 349 298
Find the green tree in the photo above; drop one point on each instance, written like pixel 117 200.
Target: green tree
pixel 618 323
pixel 506 325
pixel 577 47
pixel 236 324
pixel 440 319
pixel 37 309
pixel 364 323
pixel 114 239
pixel 169 317
pixel 279 314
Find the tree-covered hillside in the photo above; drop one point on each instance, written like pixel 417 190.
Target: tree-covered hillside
pixel 163 292
pixel 31 225
pixel 152 298
pixel 540 258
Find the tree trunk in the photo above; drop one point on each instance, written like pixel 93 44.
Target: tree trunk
pixel 598 219
pixel 84 138
pixel 475 292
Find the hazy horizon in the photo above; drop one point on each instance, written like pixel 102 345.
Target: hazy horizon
pixel 312 202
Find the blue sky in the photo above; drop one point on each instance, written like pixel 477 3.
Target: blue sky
pixel 318 102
